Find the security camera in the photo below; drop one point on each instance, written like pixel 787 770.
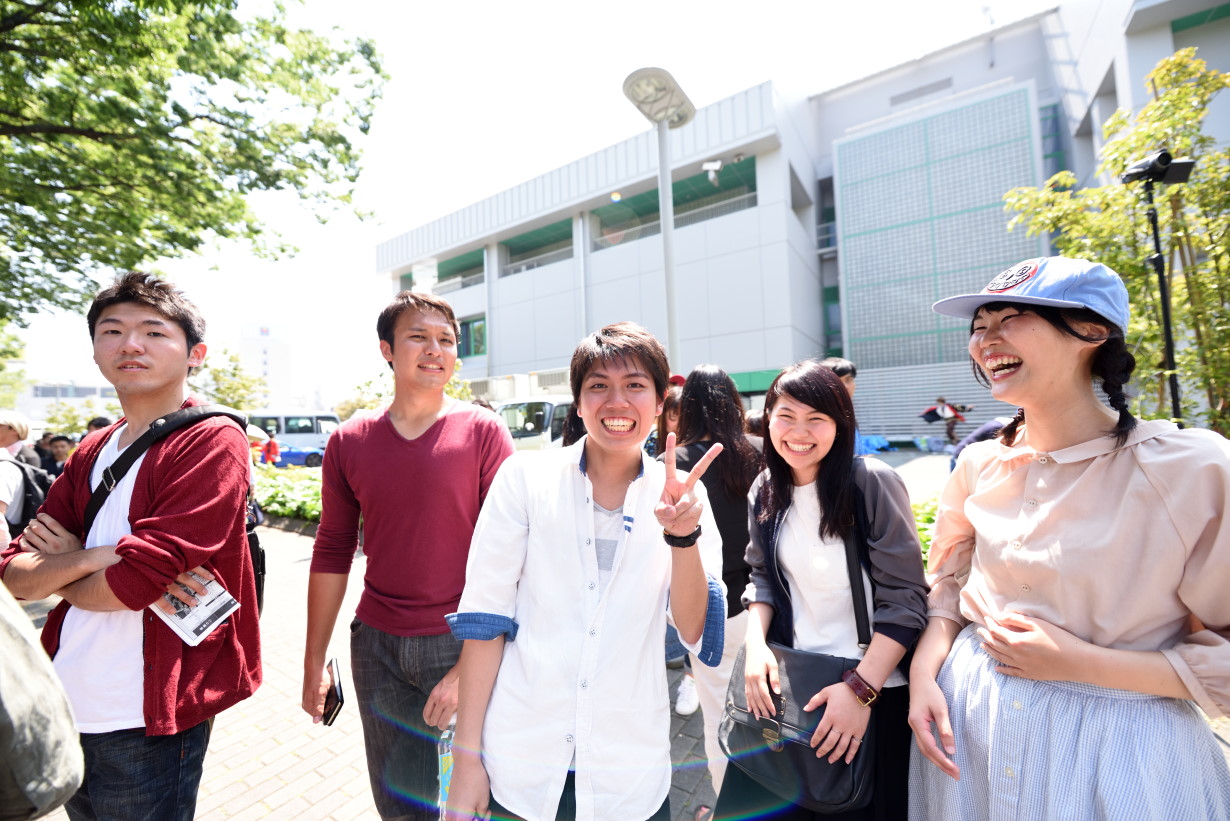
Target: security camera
pixel 1158 167
pixel 711 165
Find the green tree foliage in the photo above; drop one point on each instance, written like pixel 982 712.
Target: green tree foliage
pixel 71 419
pixel 1109 224
pixel 12 379
pixel 224 380
pixel 379 391
pixel 131 130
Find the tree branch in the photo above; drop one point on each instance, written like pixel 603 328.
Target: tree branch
pixel 52 128
pixel 21 18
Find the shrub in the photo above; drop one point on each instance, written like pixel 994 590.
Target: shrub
pixel 924 520
pixel 292 492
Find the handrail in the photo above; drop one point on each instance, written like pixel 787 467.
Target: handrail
pixel 446 286
pixel 530 263
pixel 682 219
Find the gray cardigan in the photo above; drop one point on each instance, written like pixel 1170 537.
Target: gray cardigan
pixel 898 583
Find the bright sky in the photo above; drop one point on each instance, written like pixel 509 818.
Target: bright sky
pixel 484 95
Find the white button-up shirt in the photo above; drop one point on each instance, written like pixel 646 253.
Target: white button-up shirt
pixel 582 682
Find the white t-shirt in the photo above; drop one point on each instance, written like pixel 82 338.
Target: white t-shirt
pixel 608 524
pixel 11 478
pixel 819 582
pixel 100 659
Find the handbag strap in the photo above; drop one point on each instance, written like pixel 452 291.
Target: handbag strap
pixel 854 567
pixel 159 428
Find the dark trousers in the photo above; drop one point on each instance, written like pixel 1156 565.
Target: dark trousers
pixel 393 677
pixel 743 798
pixel 568 806
pixel 130 776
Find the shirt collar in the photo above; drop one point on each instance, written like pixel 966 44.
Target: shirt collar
pixel 579 445
pixel 1144 430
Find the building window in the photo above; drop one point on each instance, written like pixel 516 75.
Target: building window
pixel 473 340
pixel 1053 159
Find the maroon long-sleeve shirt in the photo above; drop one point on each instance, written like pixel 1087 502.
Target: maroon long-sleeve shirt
pixel 419 500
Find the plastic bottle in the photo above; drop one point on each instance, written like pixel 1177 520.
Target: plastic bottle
pixel 444 749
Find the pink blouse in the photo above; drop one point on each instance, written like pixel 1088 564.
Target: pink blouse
pixel 1115 545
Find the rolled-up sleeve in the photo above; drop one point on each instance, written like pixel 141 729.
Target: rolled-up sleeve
pixel 1198 507
pixel 952 546
pixel 497 558
pixel 709 649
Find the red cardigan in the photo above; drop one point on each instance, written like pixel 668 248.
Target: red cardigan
pixel 188 510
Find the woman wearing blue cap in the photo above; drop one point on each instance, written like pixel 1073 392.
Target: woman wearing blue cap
pixel 1079 609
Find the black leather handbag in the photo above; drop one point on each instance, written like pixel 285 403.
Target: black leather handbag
pixel 776 752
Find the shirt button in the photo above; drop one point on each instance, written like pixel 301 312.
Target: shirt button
pixel 568 739
pixel 587 541
pixel 1044 459
pixel 593 632
pixel 1016 705
pixel 1008 771
pixel 584 684
pixel 1025 588
pixel 1031 503
pixel 1016 545
pixel 592 585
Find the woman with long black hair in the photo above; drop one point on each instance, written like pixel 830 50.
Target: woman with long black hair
pixel 803 509
pixel 711 412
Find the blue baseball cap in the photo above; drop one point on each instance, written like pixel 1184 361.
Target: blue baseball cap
pixel 1056 281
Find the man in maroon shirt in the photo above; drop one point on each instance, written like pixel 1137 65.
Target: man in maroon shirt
pixel 142 697
pixel 417 473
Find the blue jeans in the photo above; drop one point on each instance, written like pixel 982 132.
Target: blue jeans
pixel 130 776
pixel 393 677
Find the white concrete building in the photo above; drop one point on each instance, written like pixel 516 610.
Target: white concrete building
pixel 832 225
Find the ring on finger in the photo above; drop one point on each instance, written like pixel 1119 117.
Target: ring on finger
pixel 857 740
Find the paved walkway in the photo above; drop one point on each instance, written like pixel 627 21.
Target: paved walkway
pixel 268 761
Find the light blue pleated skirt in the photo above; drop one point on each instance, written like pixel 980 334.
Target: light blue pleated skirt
pixel 1043 750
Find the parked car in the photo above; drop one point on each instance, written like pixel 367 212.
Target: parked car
pixel 536 422
pixel 308 457
pixel 290 455
pixel 304 429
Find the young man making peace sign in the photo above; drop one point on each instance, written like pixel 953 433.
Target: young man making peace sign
pixel 578 559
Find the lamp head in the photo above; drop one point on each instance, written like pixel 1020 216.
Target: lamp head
pixel 658 97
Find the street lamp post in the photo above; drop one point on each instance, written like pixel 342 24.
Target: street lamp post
pixel 659 98
pixel 1161 167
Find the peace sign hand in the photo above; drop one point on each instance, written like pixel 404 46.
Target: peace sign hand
pixel 679 510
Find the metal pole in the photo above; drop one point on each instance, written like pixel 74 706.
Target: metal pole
pixel 666 214
pixel 1163 287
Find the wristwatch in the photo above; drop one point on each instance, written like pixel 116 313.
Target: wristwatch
pixel 864 692
pixel 681 541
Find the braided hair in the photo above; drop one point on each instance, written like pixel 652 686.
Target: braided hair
pixel 1113 363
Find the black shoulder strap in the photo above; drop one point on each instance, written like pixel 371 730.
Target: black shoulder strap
pixel 856 547
pixel 158 429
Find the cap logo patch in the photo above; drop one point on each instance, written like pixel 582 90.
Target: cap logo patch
pixel 1012 277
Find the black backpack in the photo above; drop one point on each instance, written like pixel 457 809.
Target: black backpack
pixel 35 482
pixel 157 430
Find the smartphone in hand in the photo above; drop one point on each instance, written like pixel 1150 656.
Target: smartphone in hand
pixel 333 698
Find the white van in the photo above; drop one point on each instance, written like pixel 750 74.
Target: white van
pixel 298 429
pixel 537 422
